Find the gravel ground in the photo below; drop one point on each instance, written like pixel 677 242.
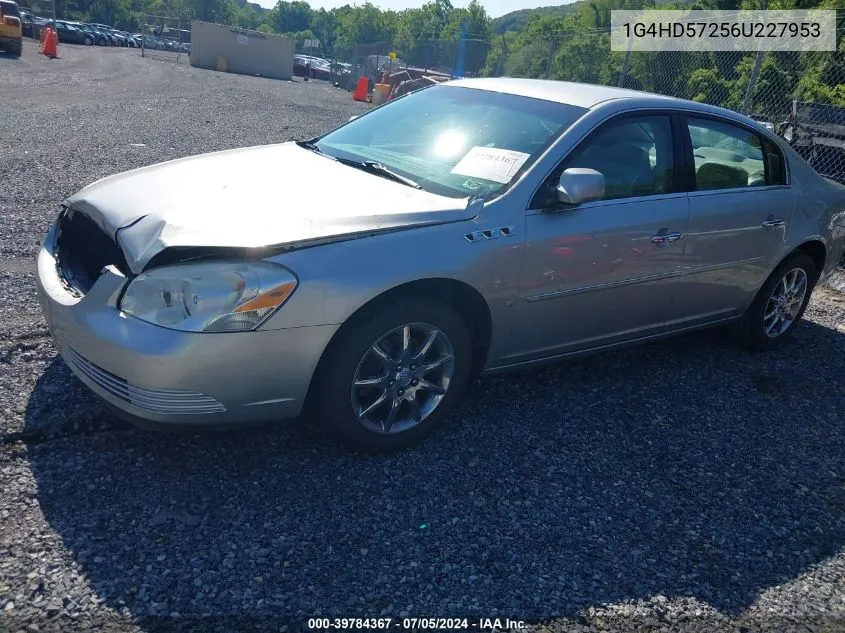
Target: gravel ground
pixel 686 485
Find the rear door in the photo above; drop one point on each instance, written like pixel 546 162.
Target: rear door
pixel 740 210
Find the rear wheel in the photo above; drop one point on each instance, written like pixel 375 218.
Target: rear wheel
pixel 16 48
pixel 393 375
pixel 780 303
pixel 88 41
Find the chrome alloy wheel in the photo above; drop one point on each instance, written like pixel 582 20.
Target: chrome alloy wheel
pixel 402 378
pixel 785 302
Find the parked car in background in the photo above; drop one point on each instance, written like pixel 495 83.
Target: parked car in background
pixel 102 38
pixel 154 43
pixel 38 23
pixel 27 24
pixel 70 34
pixel 11 27
pixel 299 65
pixel 565 219
pixel 320 68
pixel 117 36
pixel 90 38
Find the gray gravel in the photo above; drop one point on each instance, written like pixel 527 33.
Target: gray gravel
pixel 686 485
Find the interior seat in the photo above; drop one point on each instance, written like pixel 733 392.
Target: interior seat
pixel 720 176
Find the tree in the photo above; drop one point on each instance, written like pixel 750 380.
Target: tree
pixel 365 24
pixel 324 25
pixel 290 17
pixel 247 17
pixel 219 11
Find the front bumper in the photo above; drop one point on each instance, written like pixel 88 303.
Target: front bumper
pixel 167 376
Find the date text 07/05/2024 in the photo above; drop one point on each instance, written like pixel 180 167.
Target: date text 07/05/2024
pixel 411 623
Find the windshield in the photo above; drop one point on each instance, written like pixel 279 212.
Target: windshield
pixel 454 141
pixel 9 8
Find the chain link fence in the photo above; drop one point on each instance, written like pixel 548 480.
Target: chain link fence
pixel 464 58
pixel 799 95
pixel 166 37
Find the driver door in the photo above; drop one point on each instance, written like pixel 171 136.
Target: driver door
pixel 604 271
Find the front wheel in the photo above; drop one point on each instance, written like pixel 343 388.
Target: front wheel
pixel 780 303
pixel 393 375
pixel 88 41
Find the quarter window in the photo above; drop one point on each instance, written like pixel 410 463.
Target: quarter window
pixel 776 174
pixel 727 157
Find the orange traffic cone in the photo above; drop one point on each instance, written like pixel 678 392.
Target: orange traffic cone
pixel 51 44
pixel 361 89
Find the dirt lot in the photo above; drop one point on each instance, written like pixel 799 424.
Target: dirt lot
pixel 687 485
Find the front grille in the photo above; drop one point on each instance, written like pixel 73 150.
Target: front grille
pixel 164 401
pixel 83 249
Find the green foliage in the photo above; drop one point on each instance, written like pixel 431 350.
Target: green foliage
pixel 571 43
pixel 567 42
pixel 290 17
pixel 516 20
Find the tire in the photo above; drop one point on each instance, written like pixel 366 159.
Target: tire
pixel 333 398
pixel 88 41
pixel 752 329
pixel 16 48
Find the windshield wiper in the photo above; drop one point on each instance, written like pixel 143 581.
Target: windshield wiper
pixel 372 166
pixel 375 167
pixel 311 145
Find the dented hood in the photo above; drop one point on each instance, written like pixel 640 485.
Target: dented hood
pixel 271 195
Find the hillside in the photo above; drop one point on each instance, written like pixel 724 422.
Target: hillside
pixel 256 7
pixel 515 20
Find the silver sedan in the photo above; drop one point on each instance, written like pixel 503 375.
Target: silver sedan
pixel 365 276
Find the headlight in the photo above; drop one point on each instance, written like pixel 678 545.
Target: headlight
pixel 209 297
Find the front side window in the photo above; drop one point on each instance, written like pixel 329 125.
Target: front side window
pixel 634 154
pixel 454 141
pixel 726 156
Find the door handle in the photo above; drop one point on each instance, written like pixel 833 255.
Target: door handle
pixel 772 222
pixel 662 239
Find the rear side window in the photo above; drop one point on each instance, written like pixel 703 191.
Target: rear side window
pixel 727 156
pixel 10 8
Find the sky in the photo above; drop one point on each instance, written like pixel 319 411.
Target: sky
pixel 495 8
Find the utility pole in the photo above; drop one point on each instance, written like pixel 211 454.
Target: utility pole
pixel 752 81
pixel 625 63
pixel 755 71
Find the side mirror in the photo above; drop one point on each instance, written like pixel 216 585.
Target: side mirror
pixel 579 184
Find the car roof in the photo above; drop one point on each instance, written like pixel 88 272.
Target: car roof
pixel 571 93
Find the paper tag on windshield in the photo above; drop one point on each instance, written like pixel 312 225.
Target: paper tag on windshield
pixel 490 163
